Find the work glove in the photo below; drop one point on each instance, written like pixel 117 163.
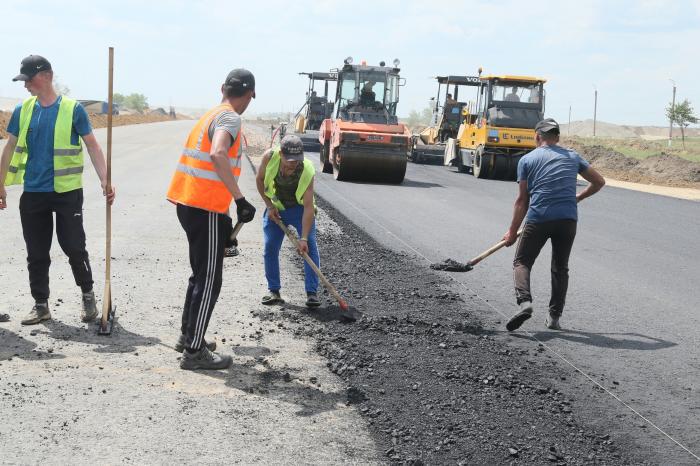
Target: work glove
pixel 244 210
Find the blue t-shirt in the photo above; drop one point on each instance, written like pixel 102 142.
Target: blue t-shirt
pixel 38 176
pixel 550 172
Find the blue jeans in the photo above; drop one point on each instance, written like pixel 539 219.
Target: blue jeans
pixel 273 242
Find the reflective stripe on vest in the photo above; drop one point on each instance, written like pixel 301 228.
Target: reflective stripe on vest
pixel 67 157
pixel 195 182
pixel 273 167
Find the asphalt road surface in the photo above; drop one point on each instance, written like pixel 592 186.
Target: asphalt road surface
pixel 631 320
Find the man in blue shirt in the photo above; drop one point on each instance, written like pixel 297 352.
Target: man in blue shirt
pixel 547 200
pixel 40 200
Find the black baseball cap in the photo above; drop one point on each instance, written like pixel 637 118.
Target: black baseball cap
pixel 292 148
pixel 241 79
pixel 548 125
pixel 30 66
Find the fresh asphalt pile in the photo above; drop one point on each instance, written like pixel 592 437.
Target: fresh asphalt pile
pixel 434 385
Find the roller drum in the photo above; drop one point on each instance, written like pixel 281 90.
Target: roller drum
pixel 370 163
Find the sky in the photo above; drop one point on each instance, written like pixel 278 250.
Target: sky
pixel 179 52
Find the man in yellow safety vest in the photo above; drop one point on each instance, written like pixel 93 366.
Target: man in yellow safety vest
pixel 44 152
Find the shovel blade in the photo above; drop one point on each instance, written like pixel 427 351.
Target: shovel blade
pixel 106 325
pixel 108 311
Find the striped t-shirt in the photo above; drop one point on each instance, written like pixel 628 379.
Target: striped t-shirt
pixel 228 121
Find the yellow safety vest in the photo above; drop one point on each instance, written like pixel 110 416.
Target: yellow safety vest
pixel 67 158
pixel 273 167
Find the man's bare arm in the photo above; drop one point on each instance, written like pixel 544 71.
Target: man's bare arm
pixel 596 181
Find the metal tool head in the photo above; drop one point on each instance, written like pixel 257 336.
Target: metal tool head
pixel 107 325
pixel 450 265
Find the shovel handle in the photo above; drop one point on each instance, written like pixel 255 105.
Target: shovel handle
pixel 491 250
pixel 236 230
pixel 331 289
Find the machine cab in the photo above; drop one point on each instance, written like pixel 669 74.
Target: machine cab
pixel 510 101
pixel 368 94
pixel 447 107
pixel 318 107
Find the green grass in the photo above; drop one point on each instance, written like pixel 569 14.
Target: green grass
pixel 641 149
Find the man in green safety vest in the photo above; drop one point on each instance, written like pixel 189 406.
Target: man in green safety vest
pixel 285 181
pixel 44 153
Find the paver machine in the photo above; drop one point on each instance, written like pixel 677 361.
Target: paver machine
pixel 499 128
pixel 316 108
pixel 364 141
pixel 428 146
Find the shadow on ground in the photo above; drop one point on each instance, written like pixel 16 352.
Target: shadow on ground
pixel 120 341
pixel 13 345
pixel 278 384
pixel 626 341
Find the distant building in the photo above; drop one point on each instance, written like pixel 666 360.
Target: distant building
pixel 99 107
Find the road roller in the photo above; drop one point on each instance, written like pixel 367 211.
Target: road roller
pixel 364 140
pixel 498 128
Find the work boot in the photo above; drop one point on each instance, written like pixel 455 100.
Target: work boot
pixel 204 359
pixel 312 300
pixel 89 310
pixel 552 322
pixel 39 312
pixel 180 344
pixel 273 298
pixel 518 319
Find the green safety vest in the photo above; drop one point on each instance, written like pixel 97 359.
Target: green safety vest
pixel 67 158
pixel 273 167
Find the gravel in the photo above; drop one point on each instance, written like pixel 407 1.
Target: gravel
pixel 435 385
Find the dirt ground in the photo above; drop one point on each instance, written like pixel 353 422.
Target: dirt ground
pixel 99 121
pixel 662 169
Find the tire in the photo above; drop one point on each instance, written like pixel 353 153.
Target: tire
pixel 326 166
pixel 460 166
pixel 482 163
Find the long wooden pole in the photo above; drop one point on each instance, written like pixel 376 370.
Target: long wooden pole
pixel 107 297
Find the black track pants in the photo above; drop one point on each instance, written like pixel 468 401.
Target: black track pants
pixel 36 213
pixel 206 232
pixel 535 235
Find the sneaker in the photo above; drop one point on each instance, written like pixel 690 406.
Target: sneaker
pixel 273 298
pixel 312 300
pixel 231 252
pixel 89 311
pixel 180 344
pixel 39 312
pixel 204 359
pixel 4 317
pixel 518 319
pixel 552 322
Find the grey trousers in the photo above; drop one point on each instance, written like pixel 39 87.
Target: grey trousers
pixel 532 240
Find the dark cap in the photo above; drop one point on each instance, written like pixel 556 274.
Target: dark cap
pixel 547 126
pixel 292 148
pixel 241 79
pixel 30 66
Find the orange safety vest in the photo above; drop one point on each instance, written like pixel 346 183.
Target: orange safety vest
pixel 195 182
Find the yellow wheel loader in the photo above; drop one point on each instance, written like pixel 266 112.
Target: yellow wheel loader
pixel 499 127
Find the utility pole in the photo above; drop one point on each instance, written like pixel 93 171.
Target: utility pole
pixel 673 109
pixel 595 108
pixel 568 128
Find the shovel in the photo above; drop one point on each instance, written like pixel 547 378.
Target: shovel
pixel 107 321
pixel 348 313
pixel 450 265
